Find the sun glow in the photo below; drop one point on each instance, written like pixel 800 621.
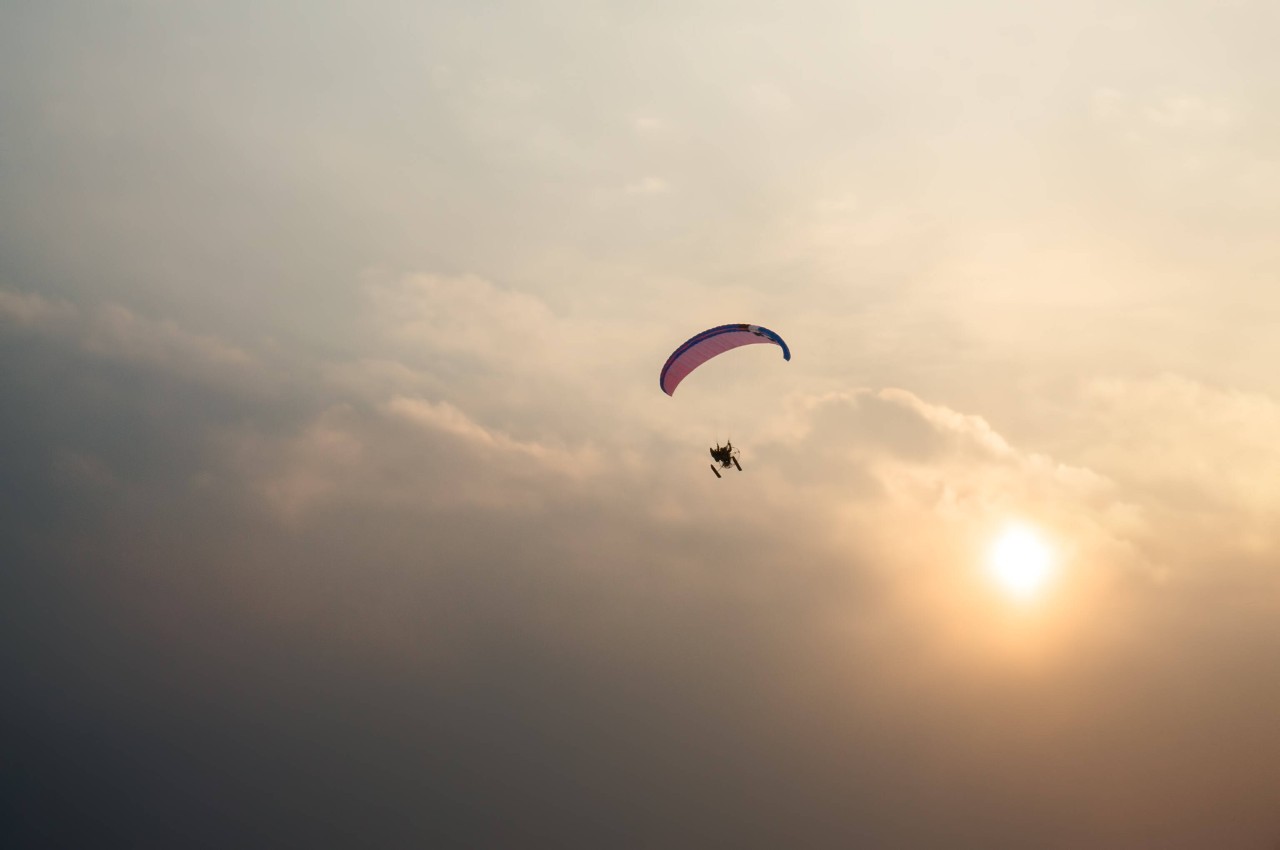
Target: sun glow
pixel 1020 562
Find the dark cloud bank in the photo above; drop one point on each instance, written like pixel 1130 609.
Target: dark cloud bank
pixel 443 649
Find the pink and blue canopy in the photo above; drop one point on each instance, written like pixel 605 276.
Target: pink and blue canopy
pixel 711 343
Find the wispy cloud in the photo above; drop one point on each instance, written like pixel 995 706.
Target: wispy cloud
pixel 648 186
pixel 117 333
pixel 444 418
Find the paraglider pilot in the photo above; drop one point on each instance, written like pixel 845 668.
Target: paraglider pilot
pixel 726 456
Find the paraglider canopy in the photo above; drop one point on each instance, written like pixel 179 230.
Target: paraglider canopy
pixel 711 343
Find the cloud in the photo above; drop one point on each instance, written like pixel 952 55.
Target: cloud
pixel 1212 149
pixel 294 475
pixel 1199 459
pixel 444 418
pixel 373 379
pixel 507 595
pixel 1108 104
pixel 911 483
pixel 560 372
pixel 643 123
pixel 767 97
pixel 82 471
pixel 113 332
pixel 648 186
pixel 34 311
pixel 463 316
pixel 355 457
pixel 878 461
pixel 1187 112
pixel 1175 112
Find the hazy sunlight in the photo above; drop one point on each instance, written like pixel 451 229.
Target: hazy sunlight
pixel 1020 562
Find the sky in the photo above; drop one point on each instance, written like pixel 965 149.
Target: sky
pixel 340 506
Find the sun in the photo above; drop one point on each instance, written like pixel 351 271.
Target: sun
pixel 1020 562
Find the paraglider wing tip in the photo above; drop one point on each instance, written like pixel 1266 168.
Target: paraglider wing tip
pixel 772 336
